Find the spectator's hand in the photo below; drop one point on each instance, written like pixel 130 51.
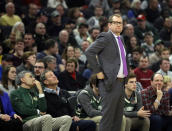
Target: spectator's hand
pixel 17 116
pixel 100 75
pixel 75 118
pixel 5 117
pixel 143 113
pixel 159 93
pixel 42 113
pixel 39 87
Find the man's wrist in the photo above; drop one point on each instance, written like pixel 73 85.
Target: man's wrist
pixel 157 101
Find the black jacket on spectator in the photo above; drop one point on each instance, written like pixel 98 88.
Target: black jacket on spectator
pixel 68 83
pixel 58 105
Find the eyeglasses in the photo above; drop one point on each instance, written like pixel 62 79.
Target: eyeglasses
pixel 116 23
pixel 40 67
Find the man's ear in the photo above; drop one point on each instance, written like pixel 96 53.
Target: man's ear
pixel 45 82
pixel 22 80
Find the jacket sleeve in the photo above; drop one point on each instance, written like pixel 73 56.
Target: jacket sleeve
pixel 23 106
pixel 9 109
pixel 93 50
pixel 84 100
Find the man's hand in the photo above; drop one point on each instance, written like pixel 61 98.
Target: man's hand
pixel 143 113
pixel 42 113
pixel 159 93
pixel 75 118
pixel 5 117
pixel 39 87
pixel 100 75
pixel 17 116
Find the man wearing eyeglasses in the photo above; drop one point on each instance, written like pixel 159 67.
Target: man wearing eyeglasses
pixel 107 59
pixel 39 67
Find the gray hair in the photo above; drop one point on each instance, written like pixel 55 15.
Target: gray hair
pixel 49 58
pixel 42 77
pixel 19 76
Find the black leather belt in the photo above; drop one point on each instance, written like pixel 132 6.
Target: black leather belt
pixel 120 79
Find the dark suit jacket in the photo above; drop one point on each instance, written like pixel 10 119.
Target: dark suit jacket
pixel 108 57
pixel 68 83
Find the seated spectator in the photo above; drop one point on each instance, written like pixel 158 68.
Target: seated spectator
pixel 82 33
pixel 157 101
pixel 51 48
pixel 135 57
pixel 28 42
pixel 132 44
pixel 136 116
pixel 55 25
pixel 143 74
pixel 164 53
pixel 68 53
pixel 18 29
pixel 9 120
pixel 89 102
pixel 31 105
pixel 165 68
pixel 17 52
pixel 158 46
pixel 63 41
pixel 29 60
pixel 142 27
pixel 58 104
pixel 39 67
pixel 94 32
pixel 51 64
pixel 70 79
pixel 8 79
pixel 40 36
pixel 81 64
pixel 9 19
pixel 94 20
pixel 148 45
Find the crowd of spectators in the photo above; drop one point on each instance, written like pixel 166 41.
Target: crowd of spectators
pixel 52 35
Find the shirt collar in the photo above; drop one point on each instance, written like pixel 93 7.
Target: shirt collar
pixel 48 90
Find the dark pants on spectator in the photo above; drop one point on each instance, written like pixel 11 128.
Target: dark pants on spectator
pixel 84 125
pixel 160 123
pixel 12 125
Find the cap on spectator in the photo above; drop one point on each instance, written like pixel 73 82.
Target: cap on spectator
pixel 115 1
pixel 55 13
pixel 158 42
pixel 141 17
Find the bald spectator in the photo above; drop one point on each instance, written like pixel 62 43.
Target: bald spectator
pixel 30 18
pixel 9 19
pixel 63 40
pixel 40 36
pixel 128 32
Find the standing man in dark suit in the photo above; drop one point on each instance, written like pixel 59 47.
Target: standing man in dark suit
pixel 107 58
